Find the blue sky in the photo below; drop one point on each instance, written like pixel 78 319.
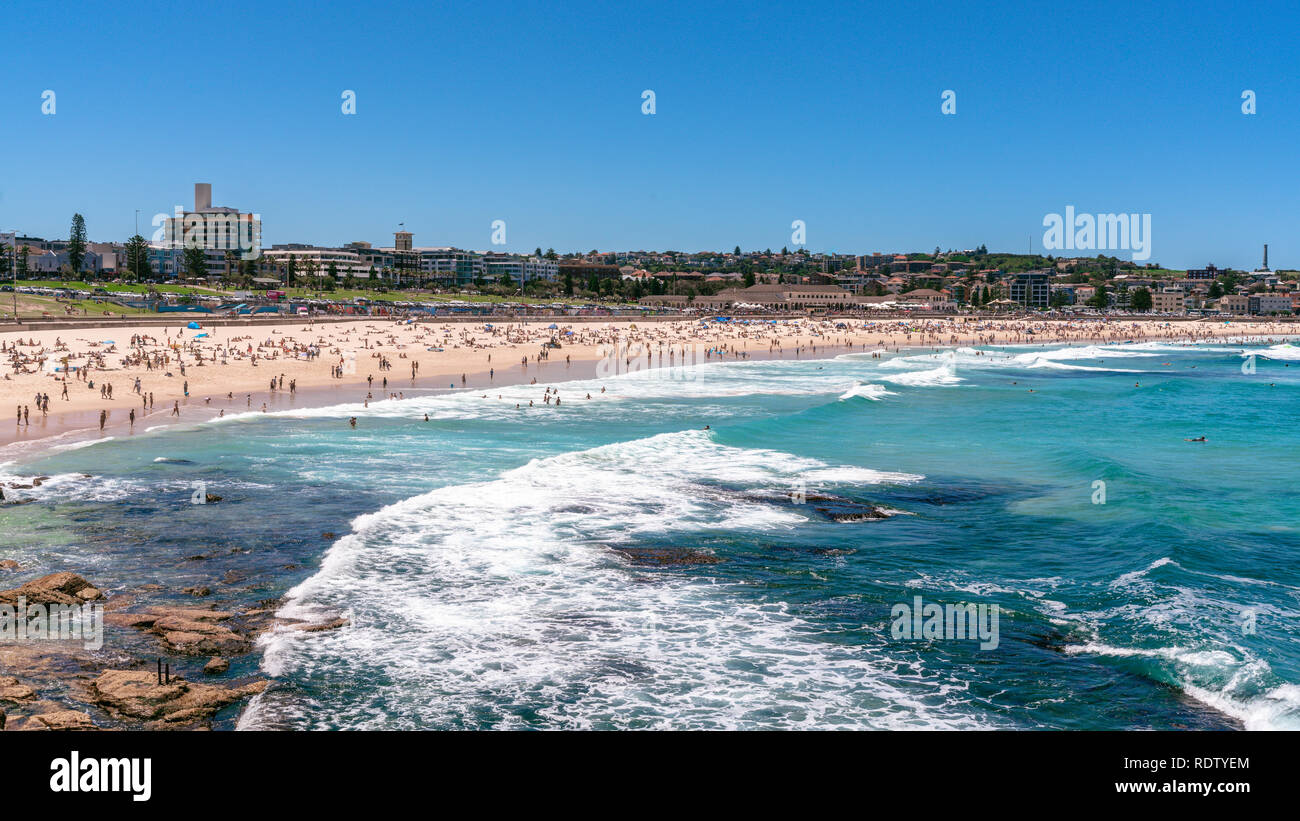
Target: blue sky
pixel 765 113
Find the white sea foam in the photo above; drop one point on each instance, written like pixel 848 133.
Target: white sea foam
pixel 944 375
pixel 872 392
pixel 1285 352
pixel 474 600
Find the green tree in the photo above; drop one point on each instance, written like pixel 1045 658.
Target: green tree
pixel 137 258
pixel 1141 300
pixel 1098 300
pixel 196 263
pixel 568 283
pixel 1216 290
pixel 232 263
pixel 77 243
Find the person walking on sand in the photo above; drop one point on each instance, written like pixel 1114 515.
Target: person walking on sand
pixel 103 417
pixel 132 417
pixel 176 408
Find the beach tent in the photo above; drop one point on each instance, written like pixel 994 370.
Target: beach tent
pixel 193 326
pixel 552 327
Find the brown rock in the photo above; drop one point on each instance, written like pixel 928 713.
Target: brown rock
pixel 332 624
pixel 8 564
pixel 14 691
pixel 140 620
pixel 198 592
pixel 56 588
pixel 137 694
pixel 187 630
pixel 216 666
pixel 203 644
pixel 61 720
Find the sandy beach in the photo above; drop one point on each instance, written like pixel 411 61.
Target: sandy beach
pixel 65 382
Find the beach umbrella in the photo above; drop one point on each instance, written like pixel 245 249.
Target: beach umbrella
pixel 552 326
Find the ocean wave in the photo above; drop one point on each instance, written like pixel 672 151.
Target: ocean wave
pixel 1285 352
pixel 944 375
pixel 872 392
pixel 502 604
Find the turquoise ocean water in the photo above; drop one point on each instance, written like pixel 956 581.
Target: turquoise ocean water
pixel 522 568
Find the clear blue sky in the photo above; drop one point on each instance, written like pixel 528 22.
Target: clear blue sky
pixel 766 113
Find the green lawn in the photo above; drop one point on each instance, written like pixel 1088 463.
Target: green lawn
pixel 33 305
pixel 115 288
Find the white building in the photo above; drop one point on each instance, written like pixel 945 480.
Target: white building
pixel 216 230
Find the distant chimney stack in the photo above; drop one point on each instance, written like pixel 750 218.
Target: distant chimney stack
pixel 202 196
pixel 1266 256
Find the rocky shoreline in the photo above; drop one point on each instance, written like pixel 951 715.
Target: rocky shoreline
pixel 60 685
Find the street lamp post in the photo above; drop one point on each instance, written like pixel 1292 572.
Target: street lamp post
pixel 13 268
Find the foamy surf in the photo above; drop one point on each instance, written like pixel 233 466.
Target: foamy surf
pixel 473 599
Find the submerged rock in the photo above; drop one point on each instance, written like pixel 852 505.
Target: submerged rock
pixel 852 512
pixel 667 556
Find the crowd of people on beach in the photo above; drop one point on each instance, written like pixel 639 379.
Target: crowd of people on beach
pixel 317 354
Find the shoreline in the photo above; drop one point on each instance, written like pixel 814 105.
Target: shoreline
pixel 76 428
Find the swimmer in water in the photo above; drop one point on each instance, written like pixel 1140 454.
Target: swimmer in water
pixel 353 421
pixel 1197 439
